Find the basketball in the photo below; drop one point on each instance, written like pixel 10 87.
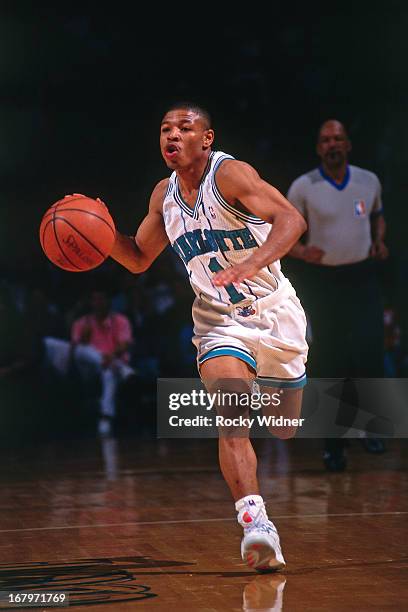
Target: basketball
pixel 77 233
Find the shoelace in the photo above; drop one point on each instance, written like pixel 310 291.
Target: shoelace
pixel 268 528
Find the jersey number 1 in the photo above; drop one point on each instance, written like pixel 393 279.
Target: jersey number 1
pixel 235 295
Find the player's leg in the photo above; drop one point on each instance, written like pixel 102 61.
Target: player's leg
pixel 260 546
pixel 236 455
pixel 281 360
pixel 284 407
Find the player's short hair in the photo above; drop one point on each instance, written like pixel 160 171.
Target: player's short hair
pixel 187 105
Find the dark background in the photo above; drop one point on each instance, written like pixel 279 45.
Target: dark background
pixel 83 89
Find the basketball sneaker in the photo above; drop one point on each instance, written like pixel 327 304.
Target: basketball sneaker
pixel 260 546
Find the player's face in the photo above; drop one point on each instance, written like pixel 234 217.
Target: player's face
pixel 184 138
pixel 333 145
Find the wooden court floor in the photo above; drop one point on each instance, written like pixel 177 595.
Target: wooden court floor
pixel 130 524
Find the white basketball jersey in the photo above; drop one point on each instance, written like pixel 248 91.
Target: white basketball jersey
pixel 214 235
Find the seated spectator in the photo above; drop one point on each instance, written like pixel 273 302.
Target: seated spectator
pixel 99 348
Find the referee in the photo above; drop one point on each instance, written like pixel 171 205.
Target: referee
pixel 346 229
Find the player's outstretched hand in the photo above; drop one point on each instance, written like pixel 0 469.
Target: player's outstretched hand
pixel 235 274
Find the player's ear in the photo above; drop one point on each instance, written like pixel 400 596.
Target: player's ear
pixel 208 138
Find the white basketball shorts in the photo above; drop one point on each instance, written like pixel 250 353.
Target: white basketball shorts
pixel 269 335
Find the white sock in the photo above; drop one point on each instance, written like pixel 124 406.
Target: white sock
pixel 251 511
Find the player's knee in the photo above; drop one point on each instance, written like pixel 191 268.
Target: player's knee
pixel 233 443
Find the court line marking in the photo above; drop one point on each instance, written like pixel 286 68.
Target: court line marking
pixel 203 520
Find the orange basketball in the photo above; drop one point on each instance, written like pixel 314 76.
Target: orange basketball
pixel 77 233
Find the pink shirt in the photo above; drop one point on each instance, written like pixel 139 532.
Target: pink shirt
pixel 105 335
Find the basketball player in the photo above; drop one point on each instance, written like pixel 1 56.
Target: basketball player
pixel 230 228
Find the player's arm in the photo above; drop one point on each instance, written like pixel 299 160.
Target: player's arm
pixel 239 183
pixel 138 253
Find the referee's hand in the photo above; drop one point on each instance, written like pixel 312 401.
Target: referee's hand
pixel 312 254
pixel 379 250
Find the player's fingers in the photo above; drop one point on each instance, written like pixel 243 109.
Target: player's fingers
pixel 236 274
pixel 223 278
pixel 220 281
pixel 235 278
pixel 241 277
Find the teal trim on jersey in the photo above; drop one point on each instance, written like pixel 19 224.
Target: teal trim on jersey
pixel 193 212
pixel 247 217
pixel 220 160
pixel 219 351
pixel 169 189
pixel 189 211
pixel 237 213
pixel 283 383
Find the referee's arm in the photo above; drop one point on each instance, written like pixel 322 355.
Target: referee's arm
pixel 378 248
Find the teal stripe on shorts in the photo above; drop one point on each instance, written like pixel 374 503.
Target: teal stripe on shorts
pixel 283 383
pixel 217 352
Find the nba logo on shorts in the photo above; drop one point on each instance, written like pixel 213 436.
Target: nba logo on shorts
pixel 246 311
pixel 359 208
